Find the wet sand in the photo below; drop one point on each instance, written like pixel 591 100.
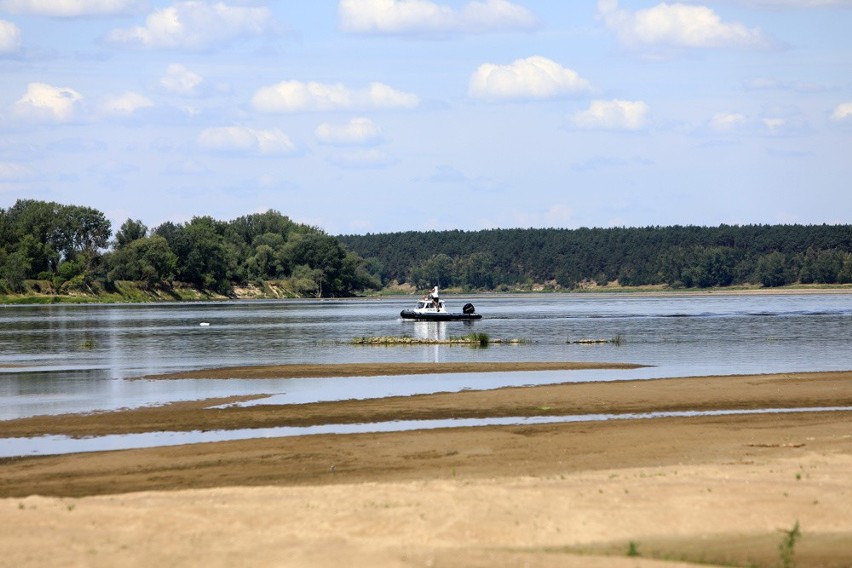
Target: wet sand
pixel 722 490
pixel 380 369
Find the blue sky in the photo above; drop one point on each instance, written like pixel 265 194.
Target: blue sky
pixel 384 115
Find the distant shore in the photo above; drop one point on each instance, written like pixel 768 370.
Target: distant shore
pixel 133 293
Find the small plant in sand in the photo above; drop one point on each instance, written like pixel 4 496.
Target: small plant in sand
pixel 787 548
pixel 633 548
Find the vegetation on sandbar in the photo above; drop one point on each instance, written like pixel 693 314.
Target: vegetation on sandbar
pixel 472 339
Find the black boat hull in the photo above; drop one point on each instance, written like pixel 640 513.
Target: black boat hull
pixel 411 314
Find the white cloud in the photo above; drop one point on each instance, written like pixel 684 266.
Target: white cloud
pixel 181 81
pixel 10 171
pixel 774 125
pixel 842 112
pixel 126 104
pixel 380 95
pixel 10 37
pixel 423 17
pixel 727 121
pixel 72 8
pixel 242 139
pixel 46 102
pixel 613 115
pixel 677 25
pixel 357 131
pixel 295 96
pixel 195 25
pixel 530 78
pixel 795 3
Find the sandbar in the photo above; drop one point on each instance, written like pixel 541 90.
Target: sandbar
pixel 720 490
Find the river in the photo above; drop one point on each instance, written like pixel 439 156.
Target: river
pixel 83 358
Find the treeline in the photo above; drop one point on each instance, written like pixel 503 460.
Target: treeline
pixel 69 248
pixel 678 256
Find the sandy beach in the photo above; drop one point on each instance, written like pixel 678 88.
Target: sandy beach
pixel 720 490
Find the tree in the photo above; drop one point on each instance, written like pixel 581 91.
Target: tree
pixel 148 260
pixel 772 270
pixel 209 261
pixel 821 267
pixel 438 270
pixel 15 268
pixel 85 230
pixel 130 231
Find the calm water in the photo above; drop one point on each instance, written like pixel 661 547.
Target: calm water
pixel 56 359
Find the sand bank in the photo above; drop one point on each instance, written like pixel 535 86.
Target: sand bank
pixel 719 489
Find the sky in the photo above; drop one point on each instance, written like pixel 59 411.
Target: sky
pixel 373 116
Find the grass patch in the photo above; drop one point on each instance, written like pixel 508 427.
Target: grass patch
pixel 747 550
pixel 787 548
pixel 616 340
pixel 471 339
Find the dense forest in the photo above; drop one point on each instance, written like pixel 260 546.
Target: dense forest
pixel 63 249
pixel 679 256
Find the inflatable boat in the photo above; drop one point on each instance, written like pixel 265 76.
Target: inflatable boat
pixel 434 310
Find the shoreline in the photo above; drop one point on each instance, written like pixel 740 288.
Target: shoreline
pixel 638 396
pixel 207 296
pixel 312 371
pixel 715 490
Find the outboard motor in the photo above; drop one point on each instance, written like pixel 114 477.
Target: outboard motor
pixel 468 308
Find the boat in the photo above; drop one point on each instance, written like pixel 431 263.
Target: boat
pixel 434 310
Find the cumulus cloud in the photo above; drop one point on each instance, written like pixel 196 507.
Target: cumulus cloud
pixel 842 112
pixel 530 78
pixel 181 81
pixel 46 102
pixel 296 96
pixel 248 140
pixel 613 115
pixel 125 104
pixel 72 8
pixel 423 17
pixel 727 121
pixel 10 37
pixel 677 25
pixel 357 131
pixel 195 25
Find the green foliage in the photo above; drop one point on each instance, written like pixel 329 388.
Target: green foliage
pixel 787 548
pixel 64 244
pixel 130 231
pixel 480 339
pixel 632 549
pixel 772 270
pixel 679 256
pixel 145 259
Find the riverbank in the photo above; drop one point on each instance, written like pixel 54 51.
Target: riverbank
pixel 795 390
pixel 41 292
pixel 722 490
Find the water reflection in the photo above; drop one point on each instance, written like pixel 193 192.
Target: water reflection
pixel 54 445
pixel 78 358
pixel 433 331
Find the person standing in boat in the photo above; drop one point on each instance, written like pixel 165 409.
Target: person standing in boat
pixel 433 295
